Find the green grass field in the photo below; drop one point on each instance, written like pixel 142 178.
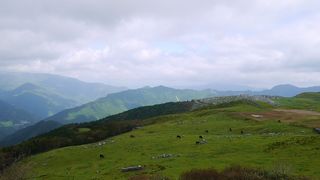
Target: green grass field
pixel 264 143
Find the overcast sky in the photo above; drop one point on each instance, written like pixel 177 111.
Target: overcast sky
pixel 255 43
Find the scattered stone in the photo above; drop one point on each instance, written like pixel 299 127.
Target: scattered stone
pixel 202 141
pixel 163 156
pixel 227 99
pixel 256 116
pixel 132 168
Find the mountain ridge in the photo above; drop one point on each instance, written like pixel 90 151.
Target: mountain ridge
pixel 125 100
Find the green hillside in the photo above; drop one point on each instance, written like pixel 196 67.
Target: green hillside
pixel 309 101
pixel 310 95
pixel 239 131
pixel 123 101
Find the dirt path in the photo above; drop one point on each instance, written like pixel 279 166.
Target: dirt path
pixel 297 111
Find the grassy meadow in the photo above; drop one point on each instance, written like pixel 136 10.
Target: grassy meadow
pixel 289 145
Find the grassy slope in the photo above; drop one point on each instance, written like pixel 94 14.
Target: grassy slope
pixel 309 101
pixel 126 100
pixel 264 144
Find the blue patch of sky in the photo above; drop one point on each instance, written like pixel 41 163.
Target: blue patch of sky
pixel 98 45
pixel 171 47
pixel 294 17
pixel 180 48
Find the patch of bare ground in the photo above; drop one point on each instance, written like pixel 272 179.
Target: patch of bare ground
pixel 302 117
pixel 297 111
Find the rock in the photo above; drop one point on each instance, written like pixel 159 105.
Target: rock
pixel 132 168
pixel 163 156
pixel 256 115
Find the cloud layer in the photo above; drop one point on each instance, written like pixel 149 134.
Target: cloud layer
pixel 256 43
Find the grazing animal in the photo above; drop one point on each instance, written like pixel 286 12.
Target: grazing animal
pixel 207 131
pixel 242 132
pixel 230 129
pixel 200 137
pixel 101 156
pixel 132 136
pixel 178 136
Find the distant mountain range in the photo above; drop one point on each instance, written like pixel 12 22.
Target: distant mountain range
pixel 29 98
pixel 44 95
pixel 129 99
pixel 284 90
pixel 288 90
pixel 123 101
pixel 36 100
pixel 59 99
pixel 66 87
pixel 12 118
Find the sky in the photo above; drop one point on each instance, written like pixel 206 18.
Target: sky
pixel 179 43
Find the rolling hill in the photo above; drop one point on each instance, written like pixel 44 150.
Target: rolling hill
pixel 122 101
pixel 253 132
pixel 112 104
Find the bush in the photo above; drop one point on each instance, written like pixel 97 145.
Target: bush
pixel 236 173
pixel 201 174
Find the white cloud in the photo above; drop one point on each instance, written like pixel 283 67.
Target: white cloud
pixel 135 43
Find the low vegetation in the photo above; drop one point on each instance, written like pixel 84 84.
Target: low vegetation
pixel 238 173
pixel 76 134
pixel 174 140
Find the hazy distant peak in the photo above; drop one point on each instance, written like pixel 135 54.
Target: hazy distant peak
pixel 26 87
pixel 162 87
pixel 285 86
